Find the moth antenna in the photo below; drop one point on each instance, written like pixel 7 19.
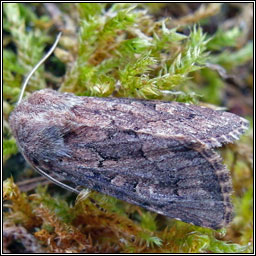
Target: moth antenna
pixel 57 182
pixel 36 67
pixel 19 101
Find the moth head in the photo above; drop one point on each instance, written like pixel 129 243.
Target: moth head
pixel 33 125
pixel 27 113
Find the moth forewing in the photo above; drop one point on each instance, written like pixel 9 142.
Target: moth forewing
pixel 155 154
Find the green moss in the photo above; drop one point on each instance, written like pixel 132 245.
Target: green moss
pixel 230 59
pixel 29 46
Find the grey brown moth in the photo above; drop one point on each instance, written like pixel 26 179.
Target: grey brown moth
pixel 155 154
pixel 158 155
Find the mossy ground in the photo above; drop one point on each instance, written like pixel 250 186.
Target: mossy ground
pixel 126 50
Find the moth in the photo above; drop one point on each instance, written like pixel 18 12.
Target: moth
pixel 155 154
pixel 158 155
